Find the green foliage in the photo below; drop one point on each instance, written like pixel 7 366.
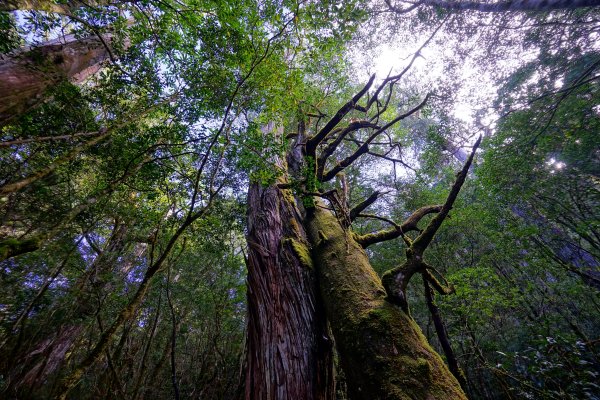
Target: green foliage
pixel 9 37
pixel 199 103
pixel 184 105
pixel 311 183
pixel 557 367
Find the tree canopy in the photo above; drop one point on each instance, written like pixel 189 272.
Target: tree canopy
pixel 221 200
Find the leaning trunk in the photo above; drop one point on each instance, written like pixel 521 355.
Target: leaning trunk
pixel 25 76
pixel 382 350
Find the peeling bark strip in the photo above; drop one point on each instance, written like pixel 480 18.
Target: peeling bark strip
pixel 289 353
pixel 382 350
pixel 25 76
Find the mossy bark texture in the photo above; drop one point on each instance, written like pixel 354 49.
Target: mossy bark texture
pixel 14 247
pixel 382 350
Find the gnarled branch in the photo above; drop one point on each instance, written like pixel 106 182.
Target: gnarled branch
pixel 410 224
pixel 327 151
pixel 360 207
pixel 364 148
pixel 442 288
pixel 425 238
pixel 312 143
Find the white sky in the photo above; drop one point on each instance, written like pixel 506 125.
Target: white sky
pixel 476 90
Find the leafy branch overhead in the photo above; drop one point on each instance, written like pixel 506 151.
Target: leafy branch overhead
pixel 198 199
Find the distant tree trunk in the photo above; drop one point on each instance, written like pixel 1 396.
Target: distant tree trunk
pixel 25 76
pixel 46 354
pixel 289 352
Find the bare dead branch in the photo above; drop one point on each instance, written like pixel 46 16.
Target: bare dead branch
pixel 328 151
pixel 410 224
pixel 395 78
pixel 373 216
pixel 364 148
pixel 425 238
pixel 312 143
pixel 394 160
pixel 360 207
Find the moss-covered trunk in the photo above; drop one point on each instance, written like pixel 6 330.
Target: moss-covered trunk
pixel 382 350
pixel 289 353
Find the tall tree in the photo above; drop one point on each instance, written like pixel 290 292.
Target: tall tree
pixel 120 219
pixel 382 351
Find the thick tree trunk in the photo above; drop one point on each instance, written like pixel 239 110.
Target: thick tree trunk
pixel 52 6
pixel 289 351
pixel 24 77
pixel 382 350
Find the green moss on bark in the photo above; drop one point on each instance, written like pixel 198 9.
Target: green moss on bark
pixel 13 247
pixel 302 251
pixel 382 350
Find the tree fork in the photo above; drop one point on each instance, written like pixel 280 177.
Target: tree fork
pixel 396 280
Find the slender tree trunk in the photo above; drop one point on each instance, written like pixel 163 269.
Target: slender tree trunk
pixel 128 312
pixel 173 339
pixel 442 334
pixel 42 359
